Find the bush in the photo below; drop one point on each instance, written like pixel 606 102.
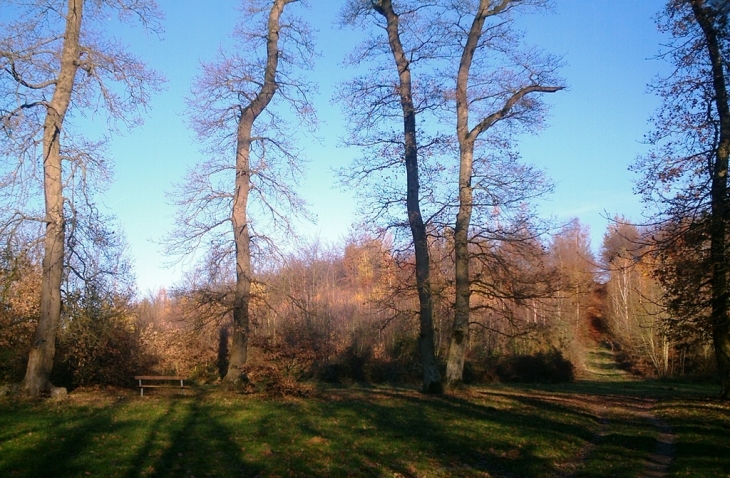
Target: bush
pixel 100 352
pixel 273 370
pixel 543 367
pixel 348 367
pixel 365 365
pixel 480 372
pixel 98 343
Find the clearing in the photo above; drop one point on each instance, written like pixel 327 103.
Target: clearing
pixel 588 429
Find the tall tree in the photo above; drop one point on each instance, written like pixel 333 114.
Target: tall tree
pixel 237 94
pixel 496 83
pixel 620 254
pixel 635 314
pixel 575 272
pixel 372 100
pixel 52 59
pixel 685 175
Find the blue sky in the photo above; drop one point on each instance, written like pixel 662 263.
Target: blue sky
pixel 594 133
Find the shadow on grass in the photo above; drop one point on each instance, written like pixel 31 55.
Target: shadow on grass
pixel 656 389
pixel 48 444
pixel 189 440
pixel 703 428
pixel 174 437
pixel 373 433
pixel 496 431
pixel 379 433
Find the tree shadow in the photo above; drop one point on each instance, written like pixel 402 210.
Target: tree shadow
pixel 57 441
pixel 194 443
pixel 704 430
pixel 389 432
pixel 363 432
pixel 123 441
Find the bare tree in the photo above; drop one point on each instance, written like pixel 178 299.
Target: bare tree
pixel 53 61
pixel 635 314
pixel 497 81
pixel 234 103
pixel 376 100
pixel 685 176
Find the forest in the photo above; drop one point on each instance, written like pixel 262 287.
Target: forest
pixel 449 275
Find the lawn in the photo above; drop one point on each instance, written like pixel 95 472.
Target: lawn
pixel 574 430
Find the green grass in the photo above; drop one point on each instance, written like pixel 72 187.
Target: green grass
pixel 491 431
pixel 703 430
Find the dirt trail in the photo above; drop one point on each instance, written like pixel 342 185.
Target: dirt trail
pixel 657 464
pixel 601 366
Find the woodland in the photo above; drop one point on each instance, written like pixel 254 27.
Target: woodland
pixel 450 278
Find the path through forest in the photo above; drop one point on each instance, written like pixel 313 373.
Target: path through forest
pixel 601 365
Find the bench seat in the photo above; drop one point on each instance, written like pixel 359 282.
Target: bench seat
pixel 155 381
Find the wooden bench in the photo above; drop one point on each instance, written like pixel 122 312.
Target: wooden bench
pixel 158 381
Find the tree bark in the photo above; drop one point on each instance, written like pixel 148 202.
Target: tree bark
pixel 706 18
pixel 40 360
pixel 431 374
pixel 467 137
pixel 460 329
pixel 239 215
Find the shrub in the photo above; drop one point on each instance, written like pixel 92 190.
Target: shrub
pixel 98 343
pixel 484 371
pixel 272 369
pixel 105 351
pixel 348 367
pixel 542 367
pixel 373 364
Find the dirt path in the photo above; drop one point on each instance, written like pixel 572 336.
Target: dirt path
pixel 657 464
pixel 602 366
pixel 625 420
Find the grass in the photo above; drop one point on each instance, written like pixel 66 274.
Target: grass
pixel 703 429
pixel 585 429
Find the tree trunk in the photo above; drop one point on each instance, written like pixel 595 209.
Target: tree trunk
pixel 431 374
pixel 239 215
pixel 239 218
pixel 40 360
pixel 719 209
pixel 460 330
pixel 467 138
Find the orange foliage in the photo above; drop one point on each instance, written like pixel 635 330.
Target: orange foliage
pixel 20 281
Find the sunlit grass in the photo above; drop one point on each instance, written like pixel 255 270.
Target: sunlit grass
pixel 494 431
pixel 703 431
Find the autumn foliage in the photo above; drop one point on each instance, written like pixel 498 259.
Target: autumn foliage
pixel 349 315
pixel 19 308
